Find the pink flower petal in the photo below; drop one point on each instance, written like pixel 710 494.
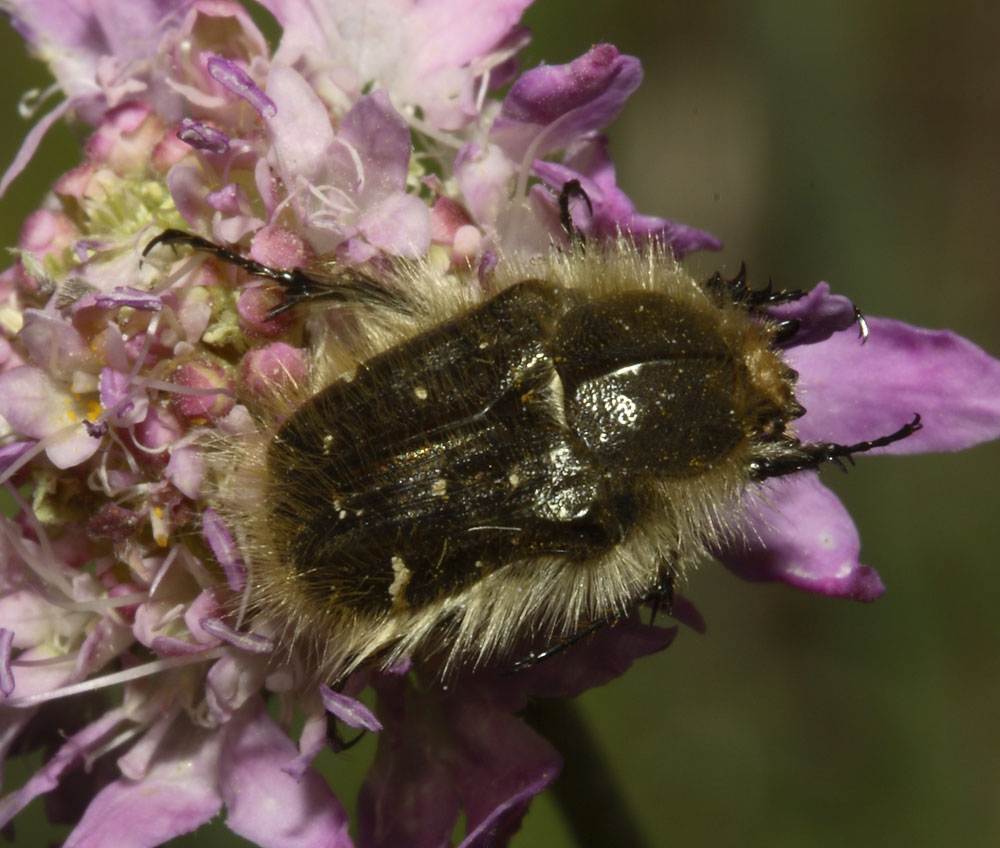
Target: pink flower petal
pixel 36 407
pixel 563 102
pixel 400 225
pixel 613 212
pixel 382 139
pixel 854 392
pixel 429 54
pixel 69 756
pixel 804 537
pixel 268 806
pixel 301 134
pixel 186 469
pixel 500 764
pixel 178 794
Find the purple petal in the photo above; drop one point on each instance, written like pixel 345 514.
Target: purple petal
pixel 600 658
pixel 6 674
pixel 68 756
pixel 113 388
pixel 820 314
pixel 802 535
pixel 382 140
pixel 684 611
pixel 144 301
pixel 125 404
pixel 231 199
pixel 34 406
pixel 178 794
pixel 221 542
pixel 614 213
pixel 186 469
pixel 206 605
pixel 565 101
pixel 484 177
pixel 268 806
pixel 187 188
pixel 855 392
pixel 312 740
pixel 437 754
pixel 408 797
pixel 230 683
pixel 499 764
pixel 349 710
pixel 302 136
pixel 400 225
pixel 429 54
pixel 54 342
pixel 29 616
pixel 230 75
pixel 202 136
pixel 136 762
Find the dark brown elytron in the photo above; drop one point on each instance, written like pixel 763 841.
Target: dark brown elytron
pixel 516 465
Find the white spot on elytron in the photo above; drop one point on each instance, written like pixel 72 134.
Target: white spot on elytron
pixel 559 455
pixel 401 576
pixel 420 393
pixel 625 410
pixel 439 487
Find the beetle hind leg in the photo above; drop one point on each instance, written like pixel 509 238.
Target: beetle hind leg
pixel 341 286
pixel 660 599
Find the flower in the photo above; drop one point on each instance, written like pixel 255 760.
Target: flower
pixel 118 578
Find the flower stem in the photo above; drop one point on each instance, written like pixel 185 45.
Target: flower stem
pixel 590 800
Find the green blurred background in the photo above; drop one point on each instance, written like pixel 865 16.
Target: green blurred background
pixel 855 142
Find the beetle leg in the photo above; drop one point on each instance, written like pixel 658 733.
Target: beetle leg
pixel 737 291
pixel 811 456
pixel 571 189
pixel 660 597
pixel 785 330
pixel 344 285
pixel 175 237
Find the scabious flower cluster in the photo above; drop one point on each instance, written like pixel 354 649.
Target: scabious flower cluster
pixel 372 131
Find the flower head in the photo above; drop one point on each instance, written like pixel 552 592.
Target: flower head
pixel 373 134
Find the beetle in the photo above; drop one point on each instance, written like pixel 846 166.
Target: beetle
pixel 481 468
